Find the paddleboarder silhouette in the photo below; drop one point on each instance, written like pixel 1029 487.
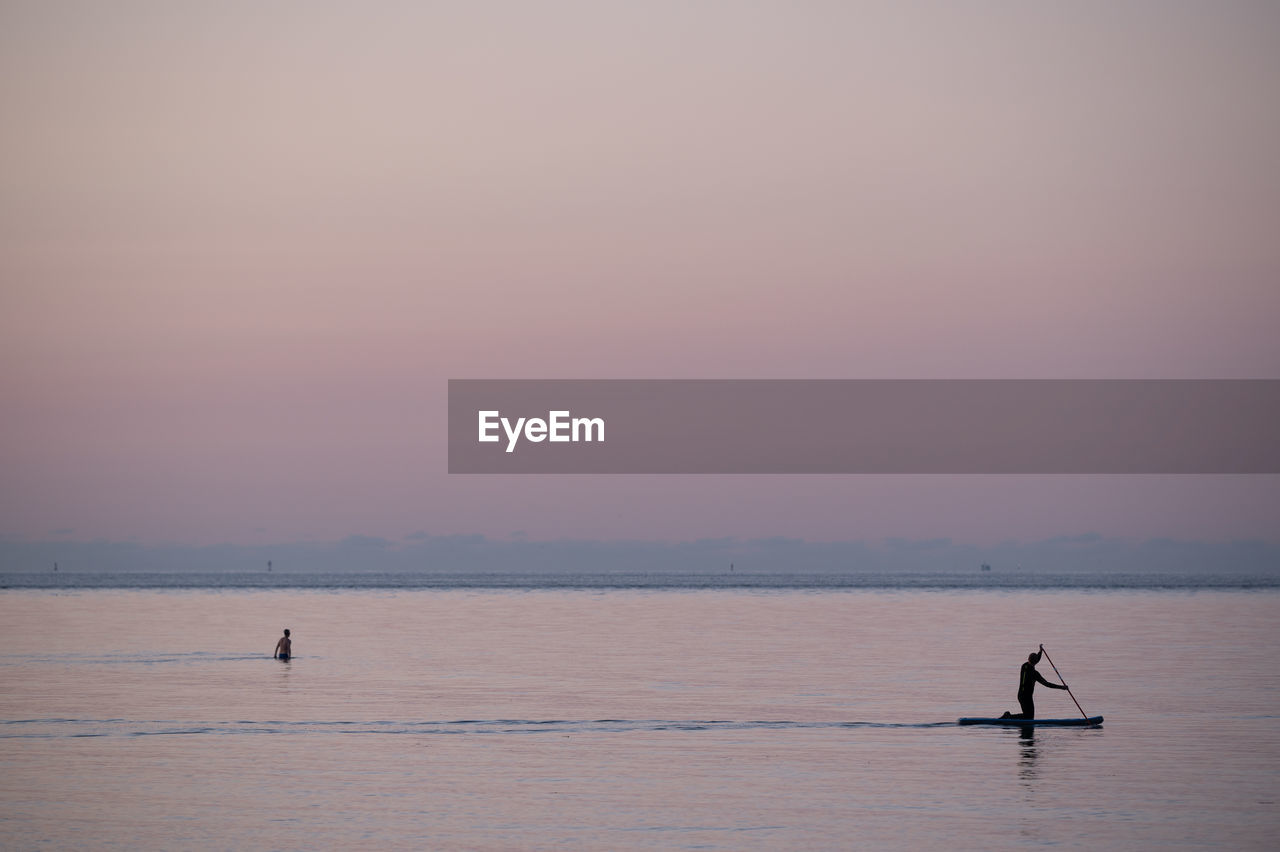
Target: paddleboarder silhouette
pixel 1027 678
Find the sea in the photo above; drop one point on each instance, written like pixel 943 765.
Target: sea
pixel 636 712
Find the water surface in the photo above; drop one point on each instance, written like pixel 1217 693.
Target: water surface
pixel 631 719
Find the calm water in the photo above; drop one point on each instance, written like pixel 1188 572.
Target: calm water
pixel 711 719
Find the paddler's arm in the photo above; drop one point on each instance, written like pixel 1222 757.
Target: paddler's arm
pixel 1045 682
pixel 1048 683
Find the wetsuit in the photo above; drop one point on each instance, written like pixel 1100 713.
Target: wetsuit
pixel 1026 685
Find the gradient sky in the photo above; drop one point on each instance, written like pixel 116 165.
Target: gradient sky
pixel 243 246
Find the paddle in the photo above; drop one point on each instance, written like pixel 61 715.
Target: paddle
pixel 1064 681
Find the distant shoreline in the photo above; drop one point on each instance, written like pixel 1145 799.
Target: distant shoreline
pixel 1010 581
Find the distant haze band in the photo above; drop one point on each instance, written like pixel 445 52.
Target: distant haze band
pixel 765 426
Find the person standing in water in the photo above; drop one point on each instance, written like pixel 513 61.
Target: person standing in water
pixel 284 648
pixel 1027 678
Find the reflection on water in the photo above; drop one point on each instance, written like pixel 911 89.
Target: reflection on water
pixel 1027 753
pixel 619 720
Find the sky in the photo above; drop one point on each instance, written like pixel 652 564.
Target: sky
pixel 244 246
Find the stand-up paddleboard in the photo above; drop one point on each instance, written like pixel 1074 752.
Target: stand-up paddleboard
pixel 1091 722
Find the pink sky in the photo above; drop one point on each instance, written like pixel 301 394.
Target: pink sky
pixel 243 249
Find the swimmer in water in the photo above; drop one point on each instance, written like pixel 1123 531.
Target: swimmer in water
pixel 284 648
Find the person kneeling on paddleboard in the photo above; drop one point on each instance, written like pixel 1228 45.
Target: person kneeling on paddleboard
pixel 1026 685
